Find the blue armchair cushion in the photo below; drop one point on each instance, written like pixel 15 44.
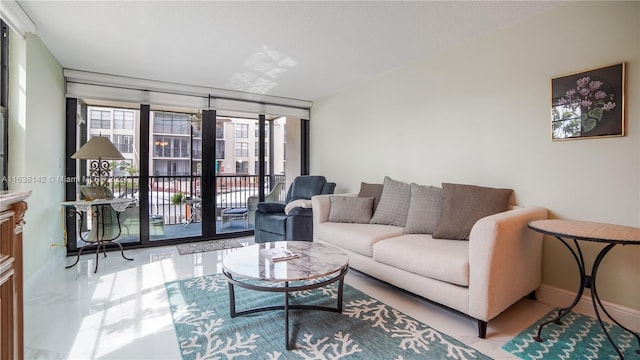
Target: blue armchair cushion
pixel 274 224
pixel 304 187
pixel 271 207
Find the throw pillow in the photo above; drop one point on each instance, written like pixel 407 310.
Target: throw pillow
pixel 349 209
pixel 394 203
pixel 463 205
pixel 424 209
pixel 371 190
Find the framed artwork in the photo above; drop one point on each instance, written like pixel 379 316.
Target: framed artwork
pixel 588 104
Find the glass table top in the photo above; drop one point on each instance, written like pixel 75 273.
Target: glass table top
pixel 314 260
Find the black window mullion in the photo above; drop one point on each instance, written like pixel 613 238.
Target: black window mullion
pixel 261 156
pixel 143 180
pixel 304 147
pixel 208 181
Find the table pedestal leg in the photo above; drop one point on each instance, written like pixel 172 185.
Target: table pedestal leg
pixel 286 317
pixel 589 281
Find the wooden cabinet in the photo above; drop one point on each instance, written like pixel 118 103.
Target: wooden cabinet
pixel 12 209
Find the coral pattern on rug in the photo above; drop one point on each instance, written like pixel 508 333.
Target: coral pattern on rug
pixel 579 337
pixel 367 328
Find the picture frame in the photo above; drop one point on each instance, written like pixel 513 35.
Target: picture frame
pixel 589 104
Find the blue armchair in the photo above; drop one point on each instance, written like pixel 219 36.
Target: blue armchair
pixel 273 224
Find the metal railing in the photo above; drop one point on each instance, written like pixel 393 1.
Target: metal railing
pixel 168 193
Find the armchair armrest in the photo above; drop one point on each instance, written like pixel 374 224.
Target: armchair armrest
pixel 271 207
pixel 505 260
pixel 301 211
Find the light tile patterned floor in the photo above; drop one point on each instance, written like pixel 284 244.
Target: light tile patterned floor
pixel 122 311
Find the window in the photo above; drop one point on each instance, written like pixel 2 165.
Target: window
pixel 100 119
pixel 220 130
pixel 219 149
pixel 181 148
pixel 161 146
pixel 242 167
pixel 257 150
pixel 242 149
pixel 257 130
pixel 124 143
pixel 123 120
pixel 171 123
pixel 242 131
pixel 171 167
pixel 257 166
pixel 197 149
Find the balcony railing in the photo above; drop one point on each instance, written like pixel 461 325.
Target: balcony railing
pixel 167 193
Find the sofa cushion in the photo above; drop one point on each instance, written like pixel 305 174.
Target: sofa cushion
pixel 424 209
pixel 394 203
pixel 348 209
pixel 439 259
pixel 358 238
pixel 371 190
pixel 464 205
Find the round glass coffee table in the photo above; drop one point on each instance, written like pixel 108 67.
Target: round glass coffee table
pixel 315 265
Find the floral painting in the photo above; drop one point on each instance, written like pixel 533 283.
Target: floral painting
pixel 588 104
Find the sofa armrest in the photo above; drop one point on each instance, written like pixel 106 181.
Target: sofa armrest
pixel 321 207
pixel 505 260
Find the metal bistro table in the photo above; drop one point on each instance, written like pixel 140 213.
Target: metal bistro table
pixel 610 234
pixel 317 265
pixel 99 210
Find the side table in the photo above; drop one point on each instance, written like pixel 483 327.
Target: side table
pixel 609 234
pixel 96 235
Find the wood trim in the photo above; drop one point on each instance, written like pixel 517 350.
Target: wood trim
pixel 11 275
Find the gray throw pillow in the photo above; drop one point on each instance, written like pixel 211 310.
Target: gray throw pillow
pixel 371 190
pixel 424 209
pixel 394 203
pixel 349 209
pixel 464 205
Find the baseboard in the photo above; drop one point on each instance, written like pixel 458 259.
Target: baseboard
pixel 557 297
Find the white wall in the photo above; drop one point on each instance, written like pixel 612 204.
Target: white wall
pixel 36 146
pixel 480 114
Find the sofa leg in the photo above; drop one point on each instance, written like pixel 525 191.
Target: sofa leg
pixel 532 295
pixel 482 329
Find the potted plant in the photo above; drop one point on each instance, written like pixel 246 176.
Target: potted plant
pixel 177 198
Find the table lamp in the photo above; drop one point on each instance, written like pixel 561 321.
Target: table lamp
pixel 99 149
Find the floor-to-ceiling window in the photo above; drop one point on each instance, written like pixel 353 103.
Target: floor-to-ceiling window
pixel 166 144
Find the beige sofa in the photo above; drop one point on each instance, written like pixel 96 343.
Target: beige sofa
pixel 498 265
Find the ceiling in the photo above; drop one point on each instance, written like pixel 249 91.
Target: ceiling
pixel 302 49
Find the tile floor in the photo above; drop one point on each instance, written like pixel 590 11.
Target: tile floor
pixel 122 311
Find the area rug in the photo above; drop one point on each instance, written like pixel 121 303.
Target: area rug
pixel 204 246
pixel 580 337
pixel 367 328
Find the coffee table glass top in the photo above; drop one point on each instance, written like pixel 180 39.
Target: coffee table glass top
pixel 315 260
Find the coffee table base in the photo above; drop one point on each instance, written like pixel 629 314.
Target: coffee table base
pixel 286 289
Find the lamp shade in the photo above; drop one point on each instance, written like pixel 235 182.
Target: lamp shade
pixel 98 147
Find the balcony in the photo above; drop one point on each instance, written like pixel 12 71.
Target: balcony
pixel 172 200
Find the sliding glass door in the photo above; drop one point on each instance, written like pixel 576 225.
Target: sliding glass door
pixel 190 174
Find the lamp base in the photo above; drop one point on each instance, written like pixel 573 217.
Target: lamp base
pixel 99 173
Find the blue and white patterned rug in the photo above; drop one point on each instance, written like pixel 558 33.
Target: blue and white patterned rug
pixel 580 337
pixel 367 328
